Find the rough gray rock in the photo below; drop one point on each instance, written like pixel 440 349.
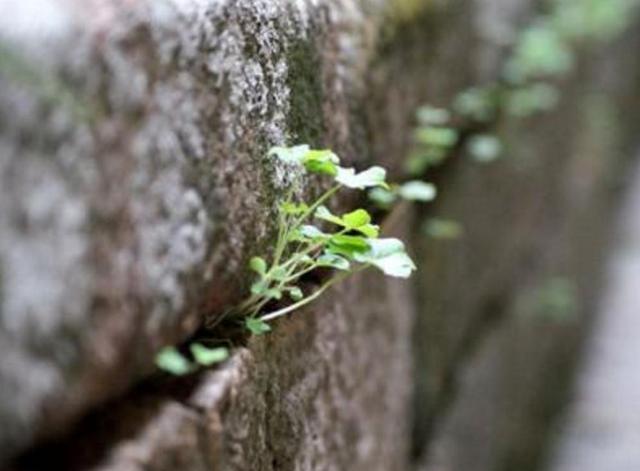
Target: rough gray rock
pixel 134 184
pixel 134 187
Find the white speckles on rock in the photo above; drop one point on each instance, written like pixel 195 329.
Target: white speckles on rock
pixel 108 217
pixel 134 185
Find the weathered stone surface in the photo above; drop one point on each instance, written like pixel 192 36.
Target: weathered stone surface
pixel 314 395
pixel 134 184
pixel 133 188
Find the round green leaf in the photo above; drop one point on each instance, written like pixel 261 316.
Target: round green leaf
pixel 381 197
pixel 429 115
pixel 484 147
pixel 389 256
pixel 208 356
pixel 371 177
pixel 333 261
pixel 258 265
pixel 357 218
pixel 257 326
pixel 172 361
pixel 417 190
pixel 295 293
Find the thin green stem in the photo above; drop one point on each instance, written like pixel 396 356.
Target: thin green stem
pixel 315 205
pixel 299 304
pixel 311 297
pixel 298 274
pixel 283 231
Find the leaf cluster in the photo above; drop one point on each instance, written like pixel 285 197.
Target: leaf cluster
pixel 311 236
pixel 171 360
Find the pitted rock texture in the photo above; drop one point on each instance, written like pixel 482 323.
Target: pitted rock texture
pixel 310 396
pixel 134 187
pixel 134 184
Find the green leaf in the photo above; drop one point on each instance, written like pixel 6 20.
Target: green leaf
pixel 383 247
pixel 258 265
pixel 323 213
pixel 420 159
pixel 430 115
pixel 295 293
pixel 259 287
pixel 305 259
pixel 347 245
pixel 417 190
pixel 442 229
pixel 371 177
pixel 333 261
pixel 484 147
pixel 356 219
pixel 325 168
pixel 172 361
pixel 273 293
pixel 437 136
pixel 478 103
pixel 388 255
pixel 381 197
pixel 312 232
pixel 208 356
pixel 370 230
pixel 290 155
pixel 541 51
pixel 321 161
pixel 525 101
pixel 398 265
pixel 278 273
pixel 257 326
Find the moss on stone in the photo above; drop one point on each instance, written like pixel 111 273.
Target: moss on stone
pixel 305 120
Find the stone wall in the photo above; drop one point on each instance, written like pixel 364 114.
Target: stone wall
pixel 134 188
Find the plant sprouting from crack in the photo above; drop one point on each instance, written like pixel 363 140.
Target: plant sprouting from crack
pixel 348 244
pixel 352 245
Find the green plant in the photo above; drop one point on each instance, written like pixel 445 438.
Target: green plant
pixel 433 138
pixel 414 190
pixel 353 244
pixel 541 51
pixel 477 103
pixel 597 19
pixel 528 100
pixel 171 360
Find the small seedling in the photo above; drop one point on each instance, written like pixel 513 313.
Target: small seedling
pixel 352 244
